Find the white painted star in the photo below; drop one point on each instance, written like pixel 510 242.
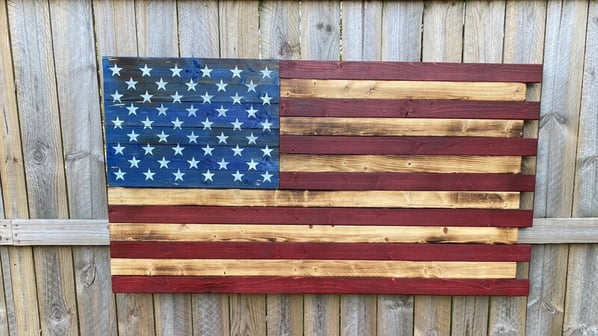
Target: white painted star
pixel 207 124
pixel 206 71
pixel 266 99
pixel 237 151
pixel 206 98
pixel 207 176
pixel 191 85
pixel 148 149
pixel 147 97
pixel 237 176
pixel 192 137
pixel 145 71
pixel 251 112
pixel 236 72
pixel 251 86
pixel 149 175
pixel 115 69
pixel 237 124
pixel 164 163
pixel 252 165
pixel 178 175
pixel 147 123
pixel 267 177
pixel 192 163
pixel 223 164
pixel 176 123
pixel 221 86
pixel 191 111
pixel 236 98
pixel 118 123
pixel 178 150
pixel 251 139
pixel 222 138
pixel 116 97
pixel 132 136
pixel 267 151
pixel 161 84
pixel 176 98
pixel 118 149
pixel 162 109
pixel 176 72
pixel 120 175
pixel 132 109
pixel 266 125
pixel 266 73
pixel 221 111
pixel 207 150
pixel 134 162
pixel 131 84
pixel 163 137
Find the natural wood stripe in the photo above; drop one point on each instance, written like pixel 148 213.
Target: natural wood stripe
pixel 400 127
pixel 308 88
pixel 366 199
pixel 326 268
pixel 310 233
pixel 400 163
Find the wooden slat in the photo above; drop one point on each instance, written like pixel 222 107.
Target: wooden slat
pixel 417 145
pixel 307 268
pixel 407 181
pixel 400 164
pixel 471 72
pixel 371 89
pixel 38 232
pixel 319 285
pixel 232 197
pixel 323 251
pixel 312 216
pixel 400 127
pixel 407 108
pixel 309 233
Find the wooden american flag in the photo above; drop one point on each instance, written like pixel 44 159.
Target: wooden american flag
pixel 254 176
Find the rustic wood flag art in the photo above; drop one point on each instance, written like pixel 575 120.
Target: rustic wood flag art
pixel 260 176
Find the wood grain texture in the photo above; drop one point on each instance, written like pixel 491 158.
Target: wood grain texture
pixel 198 40
pixel 367 199
pixel 6 304
pixel 469 315
pixel 322 314
pixel 565 30
pixel 135 314
pixel 443 31
pixel 301 233
pixel 238 23
pixel 284 314
pixel 320 30
pixel 24 290
pixel 395 315
pixel 401 31
pixel 114 23
pixel 173 314
pixel 156 26
pixel 358 315
pixel 280 39
pixel 335 88
pixel 432 315
pixel 400 127
pixel 484 31
pixel 362 30
pixel 248 314
pixel 210 314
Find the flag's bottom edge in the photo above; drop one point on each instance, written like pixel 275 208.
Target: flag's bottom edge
pixel 319 285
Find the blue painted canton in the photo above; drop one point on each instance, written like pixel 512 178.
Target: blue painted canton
pixel 189 122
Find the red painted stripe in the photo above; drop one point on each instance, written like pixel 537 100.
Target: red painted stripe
pixel 390 108
pixel 413 71
pixel 319 216
pixel 323 285
pixel 320 251
pixel 407 181
pixel 299 144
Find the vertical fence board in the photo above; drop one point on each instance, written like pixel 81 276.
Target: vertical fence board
pixel 248 314
pixel 75 62
pixel 432 315
pixel 156 28
pixel 5 287
pixel 198 28
pixel 395 315
pixel 358 315
pixel 284 315
pixel 173 314
pixel 565 30
pixel 469 315
pixel 210 315
pixel 135 314
pixel 280 37
pixel 362 30
pixel 581 306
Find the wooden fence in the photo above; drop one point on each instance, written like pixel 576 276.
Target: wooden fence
pixel 54 262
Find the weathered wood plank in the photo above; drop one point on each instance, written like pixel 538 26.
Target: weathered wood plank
pixel 135 314
pixel 322 314
pixel 248 314
pixel 198 28
pixel 239 23
pixel 210 315
pixel 284 314
pixel 469 315
pixel 302 233
pixel 173 314
pixel 401 30
pixel 362 30
pixel 114 23
pixel 358 315
pixel 6 304
pixel 432 315
pixel 156 25
pixel 320 30
pixel 443 32
pixel 308 88
pixel 280 38
pixel 484 31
